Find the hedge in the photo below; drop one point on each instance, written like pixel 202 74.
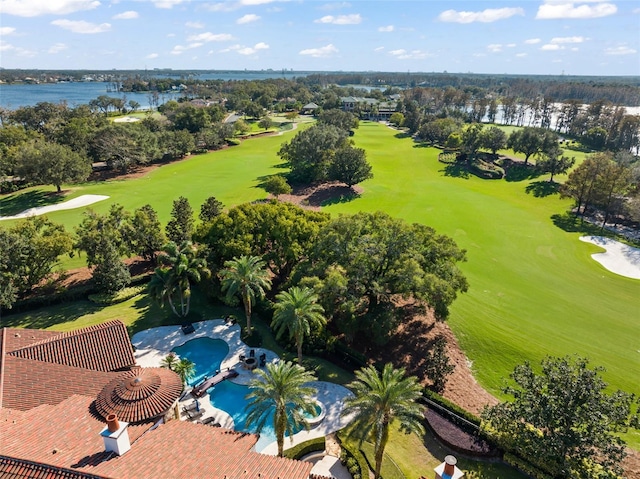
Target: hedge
pixel 453 408
pixel 486 170
pixel 353 459
pixel 304 448
pixel 525 466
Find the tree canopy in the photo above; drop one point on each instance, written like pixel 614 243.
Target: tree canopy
pixel 562 419
pixel 376 257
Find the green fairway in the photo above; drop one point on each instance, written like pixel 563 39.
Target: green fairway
pixel 534 289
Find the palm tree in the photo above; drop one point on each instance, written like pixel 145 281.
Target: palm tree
pixel 280 392
pixel 172 279
pixel 297 310
pixel 185 369
pixel 248 277
pixel 379 399
pixel 169 361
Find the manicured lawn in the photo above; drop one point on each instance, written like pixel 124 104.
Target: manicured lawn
pixel 534 289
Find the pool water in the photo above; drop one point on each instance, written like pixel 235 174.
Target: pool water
pixel 206 353
pixel 231 397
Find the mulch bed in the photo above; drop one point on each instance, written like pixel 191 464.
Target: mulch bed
pixel 457 439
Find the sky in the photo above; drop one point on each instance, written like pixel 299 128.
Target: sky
pixel 547 37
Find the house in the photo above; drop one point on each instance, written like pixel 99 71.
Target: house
pixel 368 108
pixel 309 108
pixel 75 405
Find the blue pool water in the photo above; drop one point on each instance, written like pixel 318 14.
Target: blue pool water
pixel 206 353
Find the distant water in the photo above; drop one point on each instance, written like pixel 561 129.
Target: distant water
pixel 80 93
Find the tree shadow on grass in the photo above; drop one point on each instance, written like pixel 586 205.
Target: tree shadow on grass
pixel 519 171
pixel 457 170
pixel 332 195
pixel 19 202
pixel 48 316
pixel 573 224
pixel 542 188
pixel 402 134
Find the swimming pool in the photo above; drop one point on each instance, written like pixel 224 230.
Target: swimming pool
pixel 231 397
pixel 206 353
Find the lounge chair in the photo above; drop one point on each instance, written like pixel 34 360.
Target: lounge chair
pixel 252 353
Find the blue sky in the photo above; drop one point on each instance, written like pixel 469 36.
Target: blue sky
pixel 587 37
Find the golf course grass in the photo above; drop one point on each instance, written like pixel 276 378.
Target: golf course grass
pixel 534 289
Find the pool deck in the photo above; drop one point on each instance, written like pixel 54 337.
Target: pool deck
pixel 153 345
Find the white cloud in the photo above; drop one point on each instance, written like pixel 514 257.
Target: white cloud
pixel 521 55
pixel 321 52
pixel 21 52
pixel 34 8
pixel 379 49
pixel 57 48
pixel 335 6
pixel 636 11
pixel 388 28
pixel 167 4
pixel 550 47
pixel 352 19
pixel 494 47
pixel 552 10
pixel 80 26
pixel 229 6
pixel 194 25
pixel 532 41
pixel 179 49
pixel 151 56
pixel 4 31
pixel 486 16
pixel 251 50
pixel 621 50
pixel 210 37
pixel 248 18
pixel 403 54
pixel 560 40
pixel 128 15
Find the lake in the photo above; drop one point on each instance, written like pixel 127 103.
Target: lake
pixel 80 93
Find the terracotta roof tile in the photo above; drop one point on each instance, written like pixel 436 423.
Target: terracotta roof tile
pixel 67 436
pixel 103 347
pixel 11 468
pixel 28 383
pixel 139 394
pixel 18 338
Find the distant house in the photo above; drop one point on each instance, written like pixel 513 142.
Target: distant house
pixel 56 389
pixel 368 108
pixel 309 108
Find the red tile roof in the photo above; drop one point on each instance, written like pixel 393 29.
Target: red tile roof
pixel 66 436
pixel 103 347
pixel 11 468
pixel 139 394
pixel 27 383
pixel 17 338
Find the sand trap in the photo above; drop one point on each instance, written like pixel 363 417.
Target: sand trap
pixel 619 259
pixel 126 119
pixel 80 201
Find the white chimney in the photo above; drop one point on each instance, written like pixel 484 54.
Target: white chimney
pixel 448 469
pixel 115 436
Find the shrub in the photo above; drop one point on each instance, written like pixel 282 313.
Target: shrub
pixel 233 142
pixel 351 455
pixel 487 170
pixel 304 448
pixel 454 408
pixel 117 297
pixel 525 466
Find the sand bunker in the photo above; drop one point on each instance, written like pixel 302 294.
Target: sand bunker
pixel 619 259
pixel 80 201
